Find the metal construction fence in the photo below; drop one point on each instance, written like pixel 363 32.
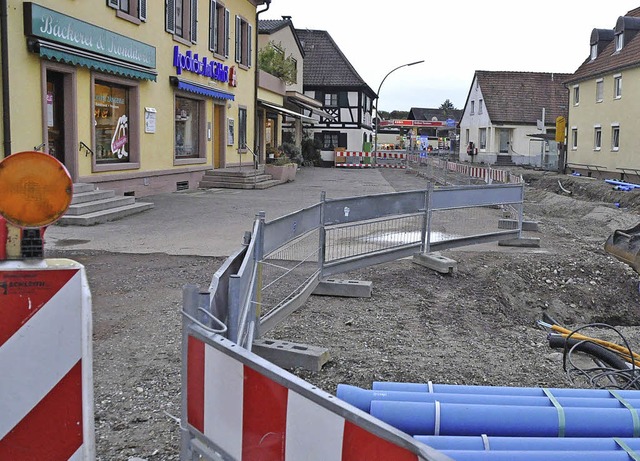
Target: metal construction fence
pixel 275 271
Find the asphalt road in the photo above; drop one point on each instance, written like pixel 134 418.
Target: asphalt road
pixel 212 222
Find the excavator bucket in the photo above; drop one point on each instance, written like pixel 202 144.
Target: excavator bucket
pixel 625 246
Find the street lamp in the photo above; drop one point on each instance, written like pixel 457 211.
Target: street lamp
pixel 375 128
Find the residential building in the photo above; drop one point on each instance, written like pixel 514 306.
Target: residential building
pixel 510 117
pixel 330 78
pixel 282 121
pixel 136 96
pixel 603 103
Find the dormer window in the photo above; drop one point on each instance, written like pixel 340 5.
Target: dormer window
pixel 594 51
pixel 619 41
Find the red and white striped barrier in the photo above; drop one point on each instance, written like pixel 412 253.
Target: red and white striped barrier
pixel 46 378
pixel 241 410
pixel 355 165
pixel 398 155
pixel 383 165
pixel 353 154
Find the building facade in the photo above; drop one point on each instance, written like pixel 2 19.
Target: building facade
pixel 347 101
pixel 510 117
pixel 136 96
pixel 603 109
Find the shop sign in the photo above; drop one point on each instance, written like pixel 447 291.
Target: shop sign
pixel 48 24
pixel 192 63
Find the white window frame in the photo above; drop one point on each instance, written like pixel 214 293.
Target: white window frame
pixel 479 106
pixel 619 39
pixel 473 108
pixel 617 86
pixel 219 20
pixel 244 38
pixel 331 99
pixel 615 137
pixel 597 138
pixel 594 51
pixel 576 95
pixel 574 138
pixel 600 90
pixel 482 138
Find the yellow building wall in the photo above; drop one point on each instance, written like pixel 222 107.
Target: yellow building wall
pixel 156 148
pixel 588 113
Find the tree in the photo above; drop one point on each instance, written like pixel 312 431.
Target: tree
pixel 447 106
pixel 272 59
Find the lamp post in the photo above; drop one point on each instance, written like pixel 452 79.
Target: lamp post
pixel 375 128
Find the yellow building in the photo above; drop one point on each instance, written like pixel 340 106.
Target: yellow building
pixel 603 104
pixel 136 96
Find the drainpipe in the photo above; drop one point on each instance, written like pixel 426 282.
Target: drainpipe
pixel 256 128
pixel 6 107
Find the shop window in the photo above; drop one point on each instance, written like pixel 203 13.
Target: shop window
pixel 188 127
pixel 242 128
pixel 243 42
pixel 218 29
pixel 181 18
pixel 132 10
pixel 112 125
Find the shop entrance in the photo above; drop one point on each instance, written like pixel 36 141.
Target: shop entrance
pixel 55 115
pixel 218 136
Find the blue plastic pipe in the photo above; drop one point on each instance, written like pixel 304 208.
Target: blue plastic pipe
pixel 443 442
pixel 422 418
pixel 537 455
pixel 500 390
pixel 622 183
pixel 362 398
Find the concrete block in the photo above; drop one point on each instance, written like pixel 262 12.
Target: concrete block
pixel 287 354
pixel 344 288
pixel 533 242
pixel 436 261
pixel 513 224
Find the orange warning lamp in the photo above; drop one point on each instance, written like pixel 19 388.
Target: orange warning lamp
pixel 35 189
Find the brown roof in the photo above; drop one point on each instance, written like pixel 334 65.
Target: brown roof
pixel 608 60
pixel 518 97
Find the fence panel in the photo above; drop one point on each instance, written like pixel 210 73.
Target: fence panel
pixel 353 209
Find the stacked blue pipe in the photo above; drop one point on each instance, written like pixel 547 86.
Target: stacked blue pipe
pixel 622 184
pixel 508 423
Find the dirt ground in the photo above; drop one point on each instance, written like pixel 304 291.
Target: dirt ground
pixel 476 326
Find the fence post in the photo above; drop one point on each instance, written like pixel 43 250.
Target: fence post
pixel 258 256
pixel 427 244
pixel 425 219
pixel 322 235
pixel 521 211
pixel 190 302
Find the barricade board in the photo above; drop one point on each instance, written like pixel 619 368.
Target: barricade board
pixel 247 408
pixel 46 382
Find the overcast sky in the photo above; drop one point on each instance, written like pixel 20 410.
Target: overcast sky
pixel 454 37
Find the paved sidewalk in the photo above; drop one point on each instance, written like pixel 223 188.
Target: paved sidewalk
pixel 212 222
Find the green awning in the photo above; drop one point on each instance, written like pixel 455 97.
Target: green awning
pixel 97 64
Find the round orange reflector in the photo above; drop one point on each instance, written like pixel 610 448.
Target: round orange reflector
pixel 35 189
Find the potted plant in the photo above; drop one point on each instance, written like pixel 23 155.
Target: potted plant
pixel 283 169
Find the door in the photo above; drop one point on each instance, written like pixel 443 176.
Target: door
pixel 55 115
pixel 504 141
pixel 218 136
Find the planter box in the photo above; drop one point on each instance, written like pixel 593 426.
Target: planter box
pixel 282 172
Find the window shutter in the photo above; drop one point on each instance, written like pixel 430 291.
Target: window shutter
pixel 342 140
pixel 227 32
pixel 113 4
pixel 213 26
pixel 249 44
pixel 194 21
pixel 142 10
pixel 343 99
pixel 170 11
pixel 238 39
pixel 320 96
